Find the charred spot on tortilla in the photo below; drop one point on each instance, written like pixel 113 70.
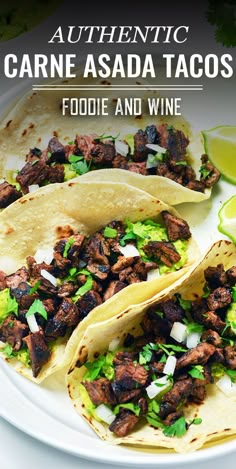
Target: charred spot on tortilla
pixel 8 124
pixel 64 231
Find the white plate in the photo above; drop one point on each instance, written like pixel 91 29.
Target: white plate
pixel 45 411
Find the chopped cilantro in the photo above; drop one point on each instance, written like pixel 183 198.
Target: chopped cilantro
pixel 67 247
pixel 109 232
pixel 181 163
pixel 197 372
pixel 75 158
pixel 169 128
pixel 234 293
pixel 71 142
pixel 204 172
pixel 159 313
pixel 94 369
pixel 8 304
pixel 178 428
pixel 172 348
pixel 185 304
pixel 133 407
pixel 34 162
pixel 85 287
pixel 8 351
pixel 231 374
pixel 35 287
pixel 128 236
pixel 196 421
pixel 206 291
pixel 49 154
pixel 163 358
pixel 81 167
pixel 37 307
pixel 145 355
pixel 193 326
pixel 106 137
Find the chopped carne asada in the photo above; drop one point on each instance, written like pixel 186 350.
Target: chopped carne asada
pixel 59 163
pixel 157 375
pixel 84 272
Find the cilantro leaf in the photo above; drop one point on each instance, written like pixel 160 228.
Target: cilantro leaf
pixel 234 293
pixel 231 374
pixel 197 372
pixel 81 167
pixel 8 304
pixel 75 158
pixel 37 307
pixel 193 326
pixel 109 232
pixel 133 407
pixel 94 369
pixel 154 421
pixel 34 288
pixel 178 428
pixel 145 355
pixel 67 247
pixel 173 348
pixel 163 359
pixel 126 237
pixel 204 172
pixel 8 351
pixel 181 163
pixel 185 304
pixel 196 421
pixel 85 287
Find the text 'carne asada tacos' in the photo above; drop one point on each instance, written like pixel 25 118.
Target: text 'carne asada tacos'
pixel 71 250
pixel 40 147
pixel 163 373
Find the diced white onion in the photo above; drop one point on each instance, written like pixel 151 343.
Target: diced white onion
pixel 226 386
pixel 156 148
pixel 170 365
pixel 152 274
pixel 129 250
pixel 193 339
pixel 105 414
pixel 179 332
pixel 49 277
pixel 2 180
pixel 151 162
pixel 33 325
pixel 121 147
pixel 114 344
pixel 44 255
pixel 33 187
pixel 153 389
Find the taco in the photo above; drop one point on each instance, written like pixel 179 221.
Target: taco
pixel 68 252
pixel 163 373
pixel 39 146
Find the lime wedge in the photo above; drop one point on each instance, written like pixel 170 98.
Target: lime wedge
pixel 220 145
pixel 227 216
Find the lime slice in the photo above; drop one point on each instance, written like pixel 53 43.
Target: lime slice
pixel 227 216
pixel 220 145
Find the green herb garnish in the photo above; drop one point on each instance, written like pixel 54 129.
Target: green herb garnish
pixel 34 288
pixel 133 407
pixel 37 307
pixel 67 247
pixel 197 372
pixel 109 232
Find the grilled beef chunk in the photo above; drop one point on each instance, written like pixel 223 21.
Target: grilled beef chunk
pixel 142 403
pixel 22 295
pixel 199 308
pixel 97 249
pixel 38 350
pixel 120 162
pixel 212 337
pixel 231 275
pixel 57 151
pixel 196 356
pixel 8 194
pixel 163 251
pixel 213 176
pixel 139 168
pixel 179 393
pixel 123 423
pixel 142 268
pixel 219 298
pixel 67 289
pixel 103 153
pixel 100 391
pixel 177 228
pixel 152 134
pixel 215 276
pixel 128 375
pixel 173 140
pixel 12 331
pixel 56 173
pixel 85 144
pixel 196 186
pixel 198 393
pixel 140 149
pixel 230 357
pixel 54 328
pixel 157 367
pixel 32 173
pixel 121 358
pixel 14 280
pixel 76 247
pixel 61 263
pixel 3 280
pixel 171 418
pixel 68 313
pixel 114 287
pixel 99 271
pixel 35 273
pixel 122 395
pixel 172 311
pixel 122 263
pixel 218 356
pixel 87 302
